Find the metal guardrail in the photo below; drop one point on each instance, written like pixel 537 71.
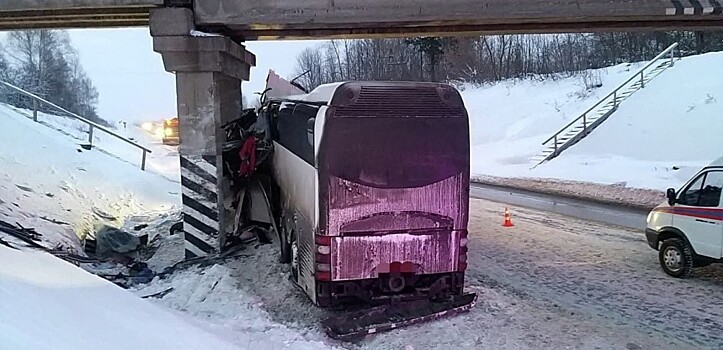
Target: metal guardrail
pixel 669 51
pixel 91 125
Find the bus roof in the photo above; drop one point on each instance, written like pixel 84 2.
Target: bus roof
pixel 320 95
pixel 324 94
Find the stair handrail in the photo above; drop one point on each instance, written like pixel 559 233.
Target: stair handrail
pixel 640 72
pixel 91 124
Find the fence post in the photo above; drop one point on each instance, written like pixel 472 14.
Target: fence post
pixel 615 99
pixel 584 123
pixel 35 110
pixel 555 153
pixel 90 135
pixel 672 57
pixel 642 80
pixel 143 161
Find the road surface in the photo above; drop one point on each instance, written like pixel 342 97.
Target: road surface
pixel 551 282
pixel 613 215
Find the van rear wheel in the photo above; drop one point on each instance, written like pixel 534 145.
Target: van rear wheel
pixel 676 258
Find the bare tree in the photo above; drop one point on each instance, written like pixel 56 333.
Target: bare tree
pixel 45 63
pixel 484 59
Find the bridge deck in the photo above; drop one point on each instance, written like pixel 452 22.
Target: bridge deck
pixel 31 14
pixel 305 19
pixel 262 19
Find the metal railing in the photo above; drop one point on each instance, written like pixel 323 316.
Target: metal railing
pixel 614 94
pixel 37 101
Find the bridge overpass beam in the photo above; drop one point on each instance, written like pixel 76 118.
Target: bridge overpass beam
pixel 305 19
pixel 209 71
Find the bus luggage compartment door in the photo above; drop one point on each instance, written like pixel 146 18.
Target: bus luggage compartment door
pixel 367 256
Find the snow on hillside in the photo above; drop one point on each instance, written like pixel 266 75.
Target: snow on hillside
pixel 675 121
pixel 51 184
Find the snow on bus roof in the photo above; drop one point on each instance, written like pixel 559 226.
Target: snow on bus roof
pixel 321 94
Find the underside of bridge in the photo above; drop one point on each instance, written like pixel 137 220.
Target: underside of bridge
pixel 209 69
pixel 32 14
pixel 294 19
pixel 315 19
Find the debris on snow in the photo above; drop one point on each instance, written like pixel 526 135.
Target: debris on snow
pixel 111 240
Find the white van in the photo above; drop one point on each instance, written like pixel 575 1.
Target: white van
pixel 688 228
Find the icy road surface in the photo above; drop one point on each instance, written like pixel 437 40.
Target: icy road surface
pixel 550 282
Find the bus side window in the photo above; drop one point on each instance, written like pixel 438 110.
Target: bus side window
pixel 293 128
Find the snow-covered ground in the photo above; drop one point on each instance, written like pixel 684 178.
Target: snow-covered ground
pixel 49 183
pixel 675 121
pixel 46 176
pixel 551 282
pixel 50 304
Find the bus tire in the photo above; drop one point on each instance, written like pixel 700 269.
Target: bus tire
pixel 676 258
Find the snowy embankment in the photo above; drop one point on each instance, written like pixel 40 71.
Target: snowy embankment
pixel 48 304
pixel 657 139
pixel 51 184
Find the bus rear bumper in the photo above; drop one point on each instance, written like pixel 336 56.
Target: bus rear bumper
pixel 381 290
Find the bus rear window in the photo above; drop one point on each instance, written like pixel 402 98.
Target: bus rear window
pixel 401 152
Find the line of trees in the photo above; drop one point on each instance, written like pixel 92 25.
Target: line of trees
pixel 485 59
pixel 45 63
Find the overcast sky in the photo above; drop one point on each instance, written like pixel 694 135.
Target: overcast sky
pixel 132 82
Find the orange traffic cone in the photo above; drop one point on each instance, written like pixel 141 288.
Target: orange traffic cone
pixel 508 219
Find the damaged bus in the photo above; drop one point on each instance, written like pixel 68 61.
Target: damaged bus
pixel 370 191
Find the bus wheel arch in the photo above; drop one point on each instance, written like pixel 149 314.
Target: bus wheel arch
pixel 285 239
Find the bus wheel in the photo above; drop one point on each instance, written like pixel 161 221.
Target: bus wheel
pixel 285 257
pixel 676 258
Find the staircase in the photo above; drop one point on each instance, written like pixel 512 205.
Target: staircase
pixel 583 125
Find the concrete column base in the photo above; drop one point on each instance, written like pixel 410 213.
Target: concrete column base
pixel 209 71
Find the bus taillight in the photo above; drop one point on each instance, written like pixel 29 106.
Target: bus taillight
pixel 323 258
pixel 462 260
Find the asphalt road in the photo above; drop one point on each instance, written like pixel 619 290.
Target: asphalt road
pixel 627 217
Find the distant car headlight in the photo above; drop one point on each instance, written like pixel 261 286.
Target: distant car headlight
pixel 160 132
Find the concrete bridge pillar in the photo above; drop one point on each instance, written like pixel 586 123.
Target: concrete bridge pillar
pixel 209 70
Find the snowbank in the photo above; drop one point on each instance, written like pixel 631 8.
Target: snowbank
pixel 673 123
pixel 50 304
